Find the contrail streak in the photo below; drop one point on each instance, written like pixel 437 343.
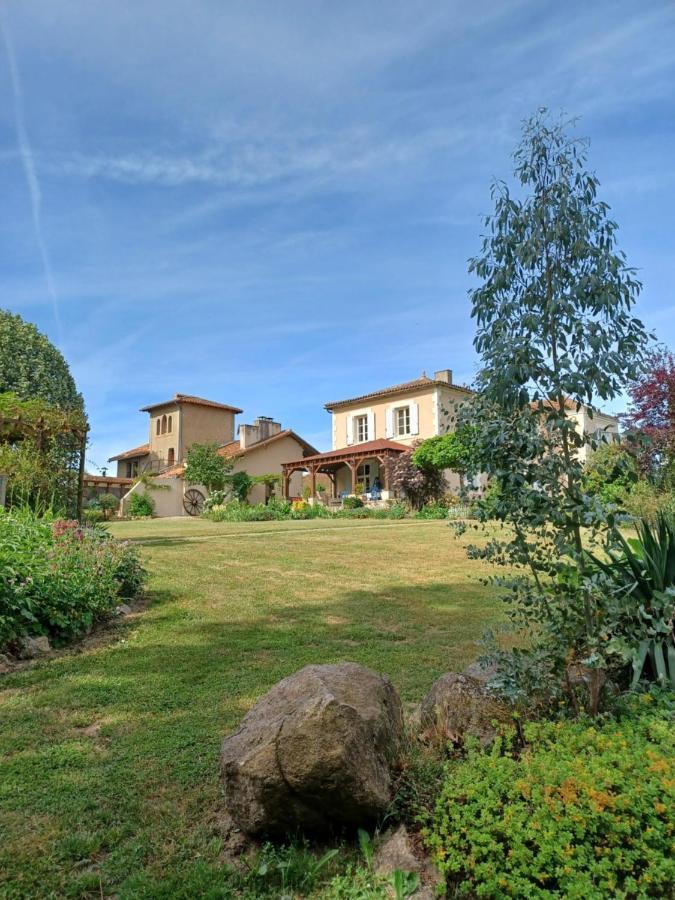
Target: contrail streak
pixel 26 154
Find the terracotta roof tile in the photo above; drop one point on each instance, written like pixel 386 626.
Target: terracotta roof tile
pixel 143 450
pixel 190 398
pixel 172 471
pixel 571 405
pixel 415 384
pixel 358 450
pixel 234 447
pixel 106 479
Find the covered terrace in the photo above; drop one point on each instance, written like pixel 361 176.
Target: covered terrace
pixel 357 464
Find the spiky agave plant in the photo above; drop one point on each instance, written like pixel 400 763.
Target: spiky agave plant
pixel 641 571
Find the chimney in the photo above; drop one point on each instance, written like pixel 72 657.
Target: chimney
pixel 443 375
pixel 267 427
pixel 263 428
pixel 248 434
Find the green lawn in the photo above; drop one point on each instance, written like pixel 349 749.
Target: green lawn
pixel 108 780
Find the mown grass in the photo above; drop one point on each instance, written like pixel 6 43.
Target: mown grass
pixel 108 755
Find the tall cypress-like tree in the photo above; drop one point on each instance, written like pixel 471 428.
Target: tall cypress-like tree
pixel 555 333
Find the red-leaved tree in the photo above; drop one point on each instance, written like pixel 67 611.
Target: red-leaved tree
pixel 650 420
pixel 420 485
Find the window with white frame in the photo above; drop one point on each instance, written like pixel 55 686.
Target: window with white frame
pixel 361 428
pixel 363 476
pixel 402 420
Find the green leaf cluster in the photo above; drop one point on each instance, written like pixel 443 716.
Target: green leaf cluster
pixel 57 578
pixel 204 465
pixel 455 451
pixel 140 505
pixel 32 368
pixel 42 418
pixel 584 811
pixel 555 332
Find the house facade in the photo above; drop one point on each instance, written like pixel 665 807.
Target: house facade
pixel 598 424
pixel 404 413
pixel 175 425
pixel 370 430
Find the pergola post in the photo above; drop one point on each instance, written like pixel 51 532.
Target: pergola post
pixel 354 468
pixel 286 484
pixel 313 473
pixel 80 475
pixel 384 481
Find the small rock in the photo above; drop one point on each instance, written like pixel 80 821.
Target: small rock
pixel 33 647
pixel 235 845
pixel 458 706
pixel 123 609
pixel 318 749
pixel 396 850
pixel 5 664
pixel 484 674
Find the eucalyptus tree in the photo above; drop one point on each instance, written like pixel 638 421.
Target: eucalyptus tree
pixel 555 334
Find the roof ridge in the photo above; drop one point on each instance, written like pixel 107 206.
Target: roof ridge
pixel 423 380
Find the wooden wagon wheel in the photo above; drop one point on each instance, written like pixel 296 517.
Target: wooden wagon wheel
pixel 193 502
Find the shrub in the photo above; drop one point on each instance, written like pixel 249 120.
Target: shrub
pixel 57 578
pixel 108 503
pixel 434 510
pixel 236 511
pixel 611 473
pixel 352 503
pixel 420 486
pixel 140 506
pixel 355 512
pixel 396 510
pixel 584 811
pixel 645 501
pixel 93 514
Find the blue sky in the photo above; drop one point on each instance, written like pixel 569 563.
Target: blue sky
pixel 272 204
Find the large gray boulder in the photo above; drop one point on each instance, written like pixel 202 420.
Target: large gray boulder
pixel 318 749
pixel 458 706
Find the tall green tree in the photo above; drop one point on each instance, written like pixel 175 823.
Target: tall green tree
pixel 204 465
pixel 31 366
pixel 555 332
pixel 43 464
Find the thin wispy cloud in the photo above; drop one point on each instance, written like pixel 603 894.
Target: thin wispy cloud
pixel 274 204
pixel 261 162
pixel 30 171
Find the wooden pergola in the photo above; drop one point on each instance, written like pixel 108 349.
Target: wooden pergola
pixel 352 457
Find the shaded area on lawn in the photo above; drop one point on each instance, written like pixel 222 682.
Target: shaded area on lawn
pixel 110 756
